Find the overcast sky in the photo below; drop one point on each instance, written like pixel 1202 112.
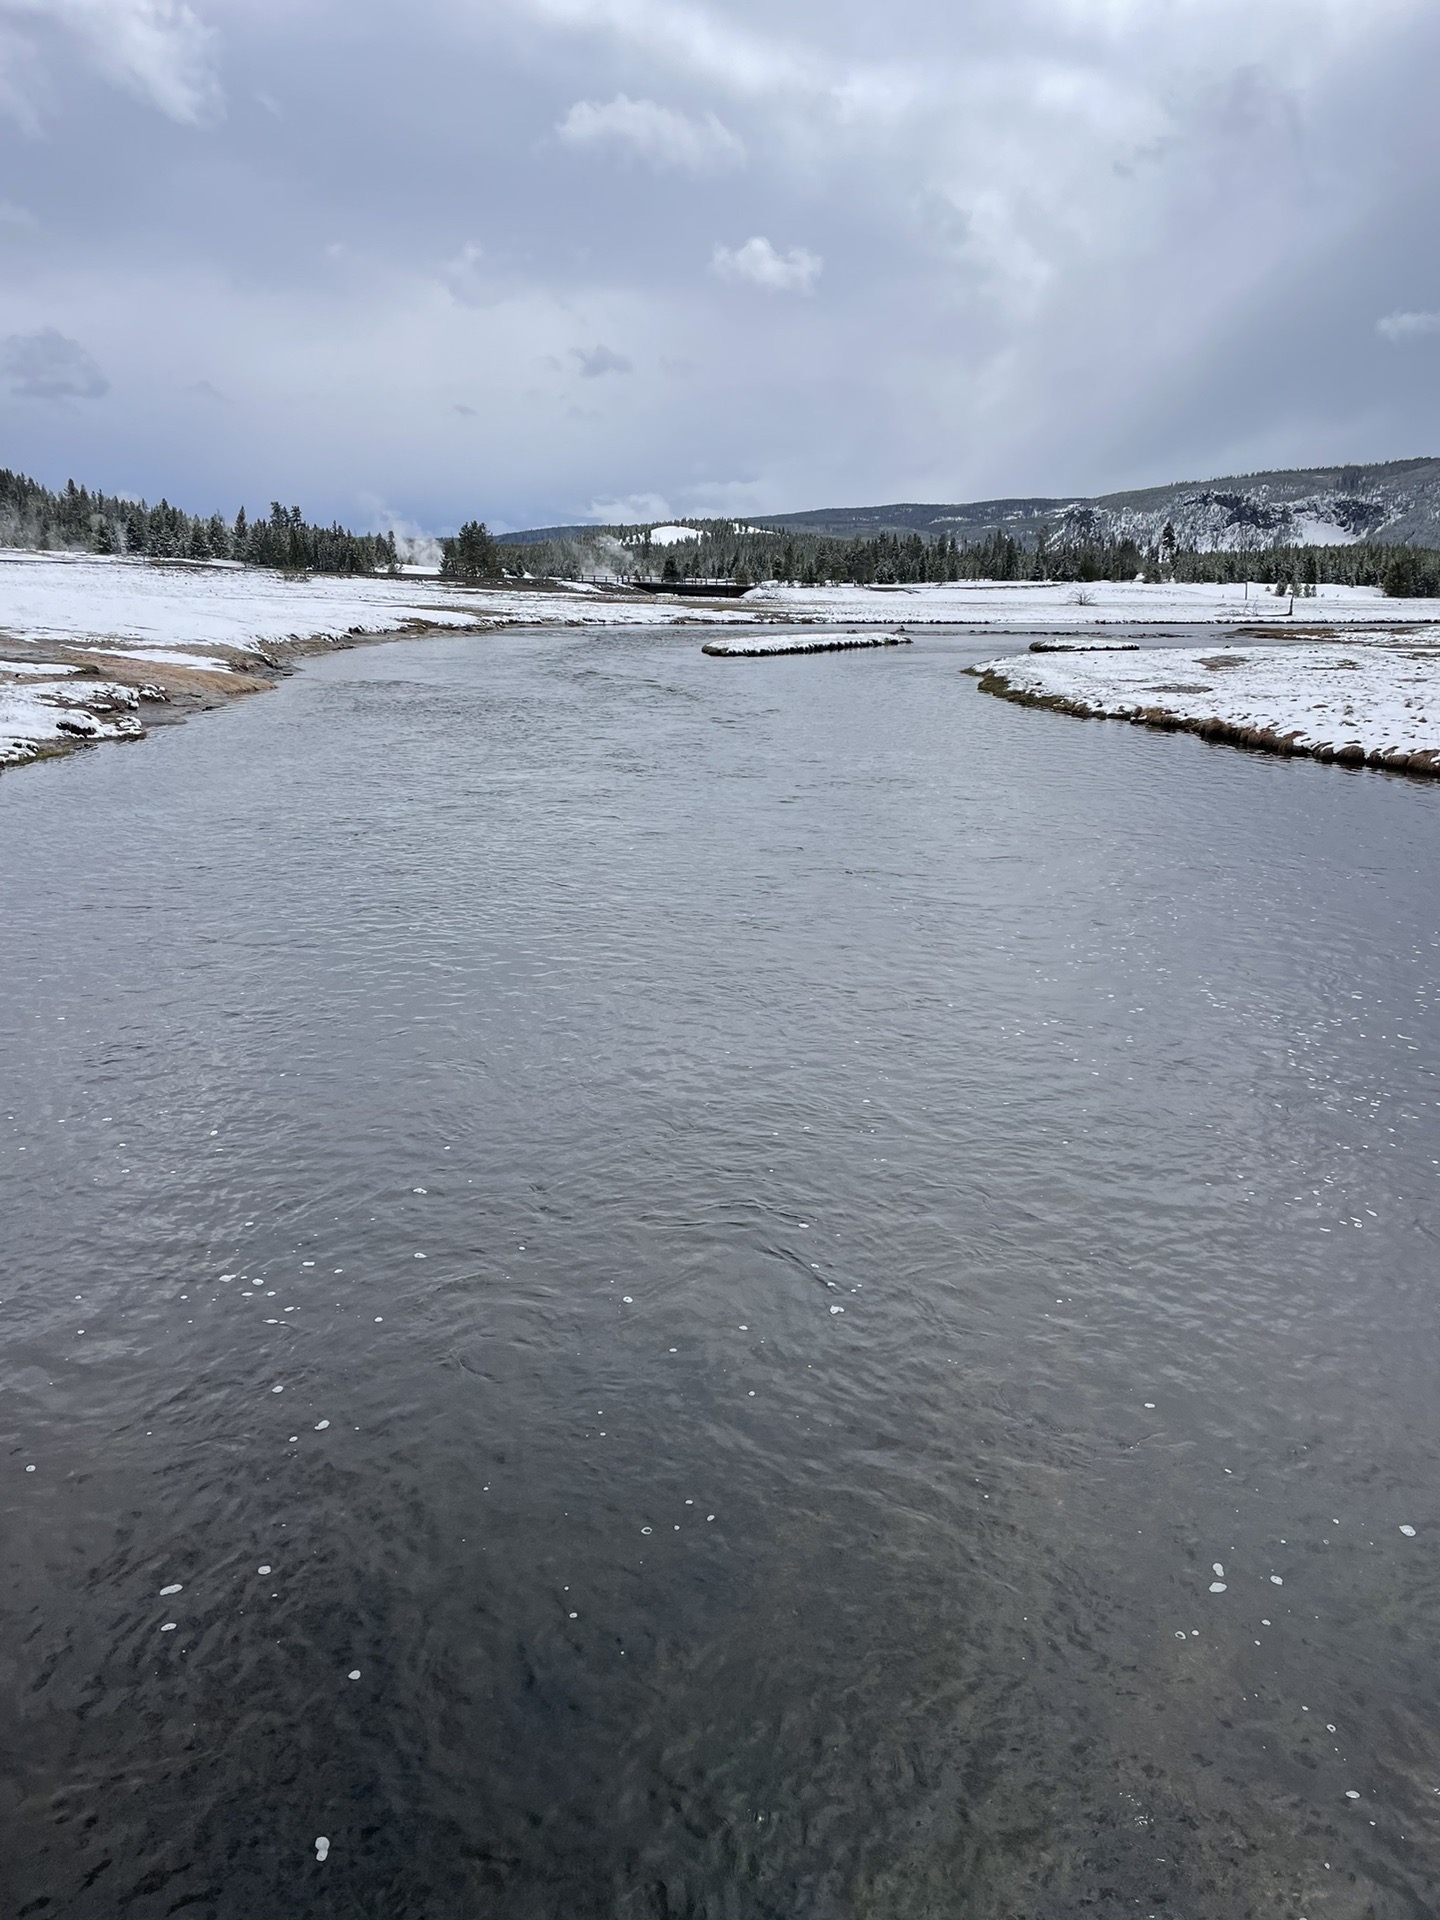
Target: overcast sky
pixel 549 260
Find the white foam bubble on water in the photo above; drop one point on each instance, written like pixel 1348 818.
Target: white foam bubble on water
pixel 322 1846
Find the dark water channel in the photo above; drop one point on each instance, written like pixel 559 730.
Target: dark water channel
pixel 905 1186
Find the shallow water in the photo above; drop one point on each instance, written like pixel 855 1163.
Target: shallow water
pixel 666 1005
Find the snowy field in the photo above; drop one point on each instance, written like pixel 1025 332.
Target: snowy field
pixel 1028 604
pixel 83 600
pixel 1372 698
pixel 80 600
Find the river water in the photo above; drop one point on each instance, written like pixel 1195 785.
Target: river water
pixel 690 1266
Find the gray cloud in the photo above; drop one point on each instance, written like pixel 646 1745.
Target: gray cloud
pixel 47 366
pixel 600 360
pixel 1065 246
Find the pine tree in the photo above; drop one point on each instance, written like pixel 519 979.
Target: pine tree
pixel 472 555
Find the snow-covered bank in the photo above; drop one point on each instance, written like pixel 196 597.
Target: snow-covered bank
pixel 1372 701
pixel 753 646
pixel 48 710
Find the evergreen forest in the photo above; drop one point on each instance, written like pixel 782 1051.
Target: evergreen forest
pixel 77 520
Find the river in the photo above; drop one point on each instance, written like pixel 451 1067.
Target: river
pixel 691 1266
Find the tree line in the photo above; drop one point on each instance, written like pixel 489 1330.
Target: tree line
pixel 722 552
pixel 76 520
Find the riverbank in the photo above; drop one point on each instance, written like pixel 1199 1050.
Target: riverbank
pixel 96 649
pixel 1364 700
pixel 101 649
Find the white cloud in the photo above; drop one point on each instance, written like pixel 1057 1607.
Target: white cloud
pixel 48 366
pixel 156 49
pixel 758 262
pixel 694 39
pixel 661 136
pixel 1407 326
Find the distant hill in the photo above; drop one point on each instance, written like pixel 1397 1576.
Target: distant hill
pixel 1397 501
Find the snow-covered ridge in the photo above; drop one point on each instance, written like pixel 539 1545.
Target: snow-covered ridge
pixel 1369 700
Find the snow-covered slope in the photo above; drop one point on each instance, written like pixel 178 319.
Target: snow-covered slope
pixel 1397 500
pixel 1317 507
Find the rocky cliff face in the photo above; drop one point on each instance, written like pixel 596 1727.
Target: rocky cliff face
pixel 1329 506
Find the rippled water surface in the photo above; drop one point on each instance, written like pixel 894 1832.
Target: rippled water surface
pixel 690 1266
